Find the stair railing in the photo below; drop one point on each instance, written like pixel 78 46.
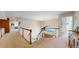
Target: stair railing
pixel 30 34
pixel 41 33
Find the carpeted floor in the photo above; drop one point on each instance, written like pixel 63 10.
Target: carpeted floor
pixel 60 42
pixel 15 40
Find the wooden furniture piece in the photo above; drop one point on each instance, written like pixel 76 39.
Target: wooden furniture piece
pixel 4 23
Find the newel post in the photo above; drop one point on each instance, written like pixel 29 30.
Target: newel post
pixel 30 36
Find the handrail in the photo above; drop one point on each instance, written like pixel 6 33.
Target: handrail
pixel 39 34
pixel 26 29
pixel 30 30
pixel 43 29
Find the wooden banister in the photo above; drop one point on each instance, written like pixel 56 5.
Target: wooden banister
pixel 30 30
pixel 26 29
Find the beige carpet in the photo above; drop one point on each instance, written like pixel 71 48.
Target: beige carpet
pixel 13 40
pixel 60 42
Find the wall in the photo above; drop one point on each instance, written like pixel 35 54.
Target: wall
pixel 2 15
pixel 54 23
pixel 76 19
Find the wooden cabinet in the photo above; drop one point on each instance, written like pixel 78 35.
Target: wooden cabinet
pixel 5 24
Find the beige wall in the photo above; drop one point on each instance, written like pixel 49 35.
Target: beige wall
pixel 54 23
pixel 76 19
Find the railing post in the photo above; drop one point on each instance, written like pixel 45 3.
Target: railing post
pixel 42 35
pixel 22 32
pixel 30 36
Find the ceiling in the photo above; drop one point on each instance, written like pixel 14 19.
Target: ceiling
pixel 33 15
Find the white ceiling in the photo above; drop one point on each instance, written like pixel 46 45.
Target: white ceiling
pixel 34 15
